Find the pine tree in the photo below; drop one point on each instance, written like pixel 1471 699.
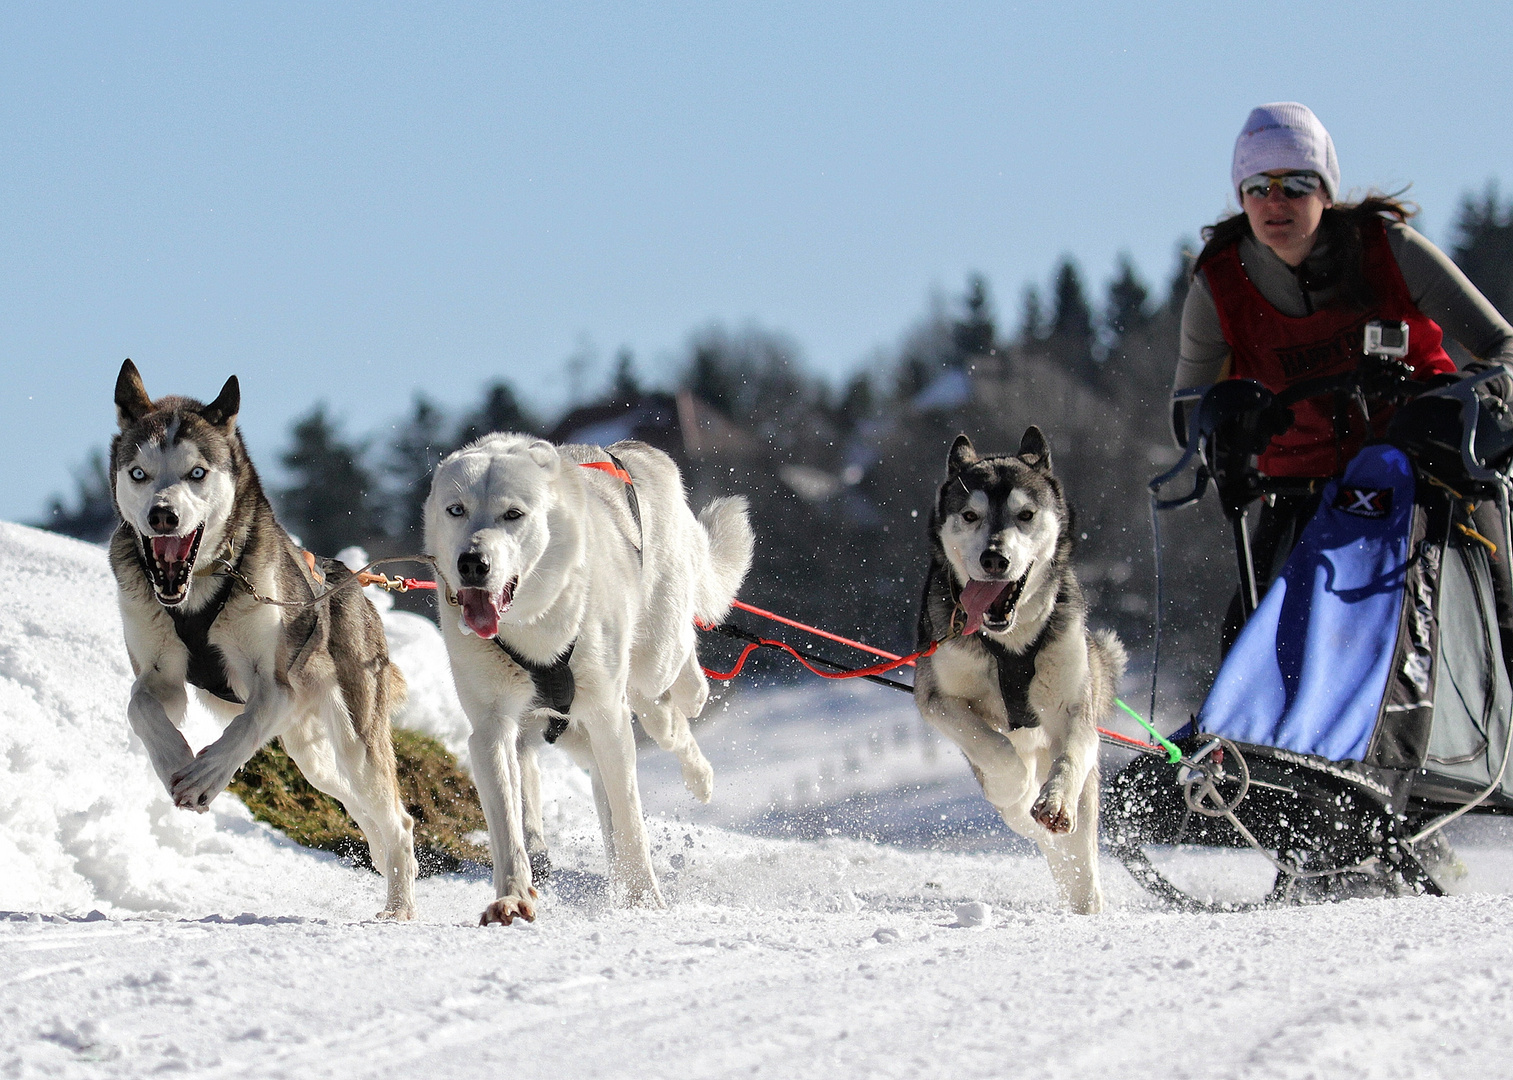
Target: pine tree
pixel 626 389
pixel 418 445
pixel 93 515
pixel 976 334
pixel 500 411
pixel 1032 324
pixel 328 506
pixel 1484 247
pixel 1128 297
pixel 1071 338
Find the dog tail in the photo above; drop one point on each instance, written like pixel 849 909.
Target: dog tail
pixel 731 542
pixel 1111 652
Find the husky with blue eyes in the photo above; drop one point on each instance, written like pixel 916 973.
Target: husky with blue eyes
pixel 575 575
pixel 1019 683
pixel 214 595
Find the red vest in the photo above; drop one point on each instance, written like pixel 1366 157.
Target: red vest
pixel 1278 351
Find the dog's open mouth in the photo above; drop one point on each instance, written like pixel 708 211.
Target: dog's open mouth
pixel 170 564
pixel 481 609
pixel 990 604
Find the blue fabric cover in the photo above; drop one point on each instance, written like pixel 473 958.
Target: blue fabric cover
pixel 1310 667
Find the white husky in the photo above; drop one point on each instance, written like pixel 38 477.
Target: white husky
pixel 578 573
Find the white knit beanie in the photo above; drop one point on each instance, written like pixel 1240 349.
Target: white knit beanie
pixel 1285 135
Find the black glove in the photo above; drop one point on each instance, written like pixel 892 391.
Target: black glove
pixel 1500 387
pixel 1384 376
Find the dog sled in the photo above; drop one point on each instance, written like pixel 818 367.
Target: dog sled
pixel 1366 702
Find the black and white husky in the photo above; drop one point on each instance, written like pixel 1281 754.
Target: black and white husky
pixel 577 573
pixel 196 548
pixel 1019 683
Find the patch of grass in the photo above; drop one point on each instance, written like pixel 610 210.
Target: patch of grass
pixel 438 795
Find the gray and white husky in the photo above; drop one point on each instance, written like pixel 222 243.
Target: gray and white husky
pixel 197 537
pixel 1019 683
pixel 577 573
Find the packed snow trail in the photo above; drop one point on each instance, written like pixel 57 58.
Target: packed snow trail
pixel 137 939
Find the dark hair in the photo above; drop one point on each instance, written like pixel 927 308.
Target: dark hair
pixel 1341 227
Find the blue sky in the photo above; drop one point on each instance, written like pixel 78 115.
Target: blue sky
pixel 352 202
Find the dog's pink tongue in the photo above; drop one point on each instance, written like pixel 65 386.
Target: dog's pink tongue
pixel 976 598
pixel 172 549
pixel 479 611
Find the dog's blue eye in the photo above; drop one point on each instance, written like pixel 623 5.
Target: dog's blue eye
pixel 1026 515
pixel 514 513
pixel 197 473
pixel 138 474
pixel 456 510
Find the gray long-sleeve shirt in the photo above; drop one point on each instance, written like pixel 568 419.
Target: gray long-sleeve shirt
pixel 1436 284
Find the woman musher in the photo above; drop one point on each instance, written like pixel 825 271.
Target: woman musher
pixel 1282 292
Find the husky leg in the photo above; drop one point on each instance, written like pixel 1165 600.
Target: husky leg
pixel 1056 807
pixel 530 799
pixel 1073 856
pixel 362 778
pixel 268 710
pixel 496 771
pixel 156 712
pixel 614 748
pixel 665 719
pixel 999 768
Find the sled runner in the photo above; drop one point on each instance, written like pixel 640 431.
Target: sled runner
pixel 1366 702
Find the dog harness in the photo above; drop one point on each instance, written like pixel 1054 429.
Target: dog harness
pixel 1015 672
pixel 555 685
pixel 207 666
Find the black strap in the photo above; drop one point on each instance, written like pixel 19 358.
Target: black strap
pixel 207 667
pixel 634 503
pixel 1015 672
pixel 555 686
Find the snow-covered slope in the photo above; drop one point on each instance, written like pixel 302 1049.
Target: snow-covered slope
pixel 137 939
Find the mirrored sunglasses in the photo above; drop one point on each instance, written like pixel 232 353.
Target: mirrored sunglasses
pixel 1294 185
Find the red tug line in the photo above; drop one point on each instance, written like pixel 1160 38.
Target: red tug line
pixel 894 661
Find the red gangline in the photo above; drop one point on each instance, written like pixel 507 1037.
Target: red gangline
pixel 822 633
pixel 857 673
pixel 876 669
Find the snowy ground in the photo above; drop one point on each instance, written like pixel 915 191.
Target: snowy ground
pixel 812 926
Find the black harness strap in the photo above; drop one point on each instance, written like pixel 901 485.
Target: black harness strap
pixel 207 667
pixel 1015 672
pixel 555 686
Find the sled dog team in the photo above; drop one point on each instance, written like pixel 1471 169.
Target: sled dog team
pixel 572 579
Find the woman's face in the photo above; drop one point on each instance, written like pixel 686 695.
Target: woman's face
pixel 1288 226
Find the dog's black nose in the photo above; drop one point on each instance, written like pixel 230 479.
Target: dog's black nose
pixel 993 563
pixel 162 519
pixel 473 569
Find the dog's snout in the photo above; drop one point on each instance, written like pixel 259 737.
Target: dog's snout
pixel 473 569
pixel 993 563
pixel 161 519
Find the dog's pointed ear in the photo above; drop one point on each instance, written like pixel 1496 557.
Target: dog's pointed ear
pixel 222 411
pixel 132 402
pixel 1035 449
pixel 961 455
pixel 545 454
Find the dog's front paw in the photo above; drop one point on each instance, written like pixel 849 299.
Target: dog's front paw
pixel 398 913
pixel 196 784
pixel 698 777
pixel 507 909
pixel 1053 811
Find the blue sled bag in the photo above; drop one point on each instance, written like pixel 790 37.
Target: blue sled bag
pixel 1377 645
